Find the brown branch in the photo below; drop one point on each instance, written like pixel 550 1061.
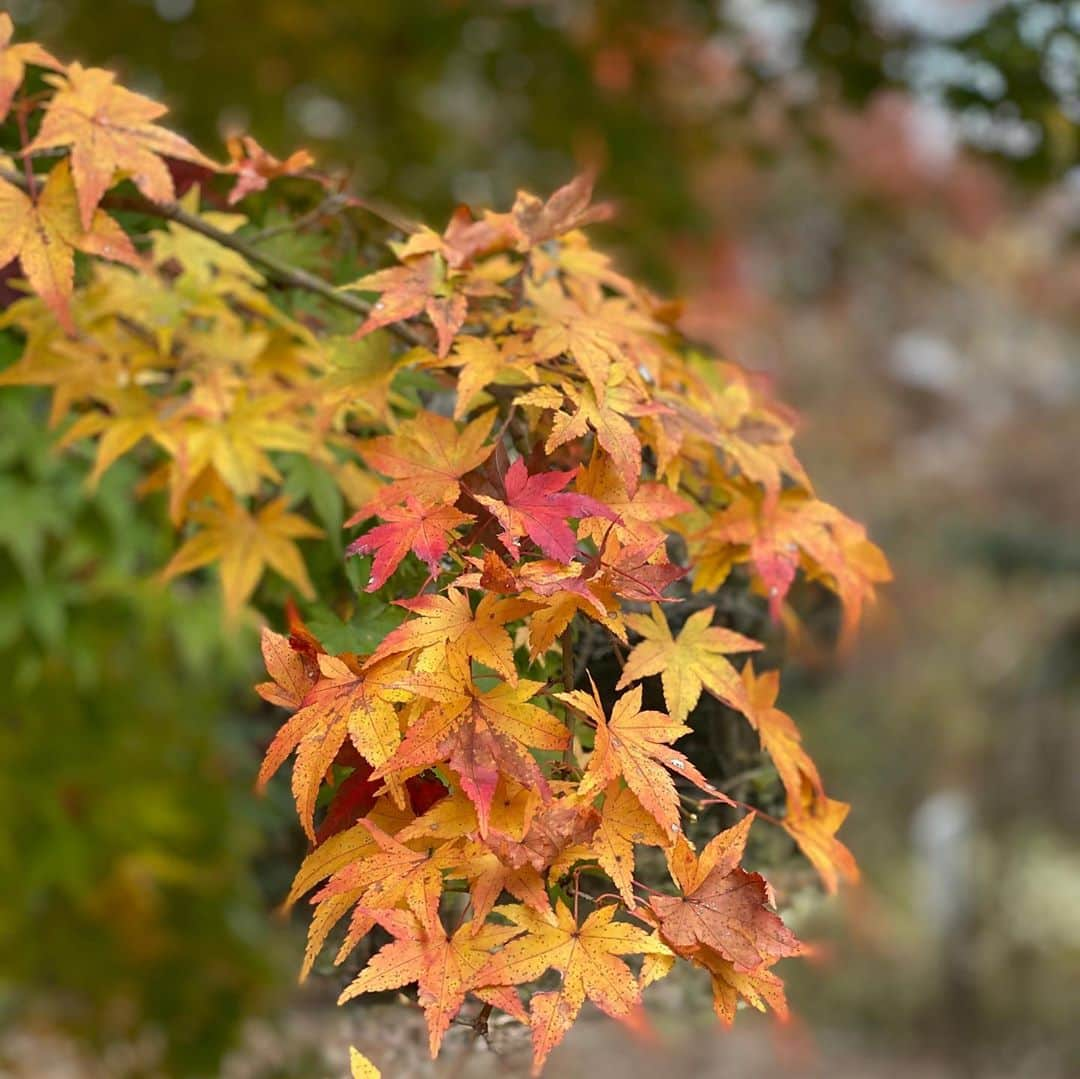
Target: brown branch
pixel 279 272
pixel 568 678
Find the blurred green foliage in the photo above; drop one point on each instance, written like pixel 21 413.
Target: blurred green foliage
pixel 129 897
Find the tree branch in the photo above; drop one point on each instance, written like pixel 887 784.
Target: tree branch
pixel 279 272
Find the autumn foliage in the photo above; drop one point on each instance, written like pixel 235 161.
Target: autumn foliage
pixel 533 455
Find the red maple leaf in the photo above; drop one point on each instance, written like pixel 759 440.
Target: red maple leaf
pixel 412 527
pixel 536 506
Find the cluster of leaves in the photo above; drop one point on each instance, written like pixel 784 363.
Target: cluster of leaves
pixel 545 459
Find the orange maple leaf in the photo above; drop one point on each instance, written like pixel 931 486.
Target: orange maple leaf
pixel 730 985
pixel 381 879
pixel 813 821
pixel 723 907
pixel 624 823
pixel 482 735
pixel 110 129
pixel 255 167
pixel 343 704
pixel 426 457
pixel 637 516
pixel 424 284
pixel 553 828
pixel 488 877
pixel 800 531
pixel 607 416
pixel 536 220
pixel 292 674
pixel 780 737
pixel 444 967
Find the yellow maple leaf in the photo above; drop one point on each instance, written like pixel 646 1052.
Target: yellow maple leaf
pixel 246 544
pixel 45 233
pixel 689 662
pixel 587 956
pixel 13 61
pixel 360 1066
pixel 447 631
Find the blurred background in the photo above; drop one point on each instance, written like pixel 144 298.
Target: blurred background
pixel 874 202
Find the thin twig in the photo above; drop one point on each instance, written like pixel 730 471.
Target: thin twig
pixel 24 140
pixel 332 204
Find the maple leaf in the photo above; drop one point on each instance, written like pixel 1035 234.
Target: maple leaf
pixel 455 816
pixel 444 967
pixel 109 129
pixel 723 907
pixel 537 221
pixel 360 1067
pixel 480 734
pixel 563 326
pixel 13 61
pixel 292 676
pixel 426 458
pixel 231 432
pixel 245 544
pixel 637 516
pixel 813 821
pixel 689 662
pixel 796 531
pixel 556 612
pixel 587 957
pixel 422 285
pixel 553 828
pixel 606 415
pixel 780 737
pixel 482 361
pixel 624 823
pixel 558 591
pixel 636 745
pixel 446 632
pixel 489 876
pixel 45 233
pixel 325 860
pixel 351 845
pixel 382 879
pixel 758 987
pixel 536 506
pixel 343 704
pixel 639 572
pixel 415 527
pixel 255 167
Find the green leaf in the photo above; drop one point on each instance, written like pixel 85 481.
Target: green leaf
pixel 362 633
